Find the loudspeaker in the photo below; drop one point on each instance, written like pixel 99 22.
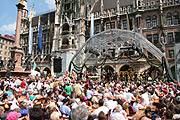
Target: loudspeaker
pixel 57 65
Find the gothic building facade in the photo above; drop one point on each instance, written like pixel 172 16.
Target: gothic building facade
pixel 156 20
pixel 46 20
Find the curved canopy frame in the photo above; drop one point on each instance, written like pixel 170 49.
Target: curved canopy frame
pixel 112 44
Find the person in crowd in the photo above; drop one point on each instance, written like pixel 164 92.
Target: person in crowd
pixel 13 116
pixel 79 113
pixel 23 108
pixel 55 116
pixel 1 111
pixel 7 110
pixel 78 89
pixel 168 115
pixel 137 105
pixel 68 89
pixel 50 110
pixel 101 99
pixel 35 113
pixel 31 95
pixel 99 109
pixel 23 84
pixel 176 115
pixel 89 93
pixel 148 114
pixel 65 110
pixel 117 115
pixel 129 96
pixel 101 116
pixel 110 104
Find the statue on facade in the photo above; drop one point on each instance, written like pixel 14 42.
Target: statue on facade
pixel 11 64
pixel 1 65
pixel 28 64
pixel 8 73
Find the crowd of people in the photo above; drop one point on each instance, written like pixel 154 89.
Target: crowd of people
pixel 42 98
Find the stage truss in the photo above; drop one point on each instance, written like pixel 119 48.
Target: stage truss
pixel 112 45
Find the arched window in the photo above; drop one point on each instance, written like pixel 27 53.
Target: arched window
pixel 148 22
pixel 65 41
pixel 176 18
pixel 65 29
pixel 154 21
pixel 169 19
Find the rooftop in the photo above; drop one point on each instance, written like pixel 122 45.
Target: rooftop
pixel 111 4
pixel 8 37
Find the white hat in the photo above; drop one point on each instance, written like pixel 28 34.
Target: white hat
pixel 96 93
pixel 14 106
pixel 52 105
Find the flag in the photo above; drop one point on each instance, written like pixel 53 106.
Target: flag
pixel 30 39
pixel 127 17
pixel 34 67
pixel 51 34
pixel 92 24
pixel 109 19
pixel 74 75
pixel 40 39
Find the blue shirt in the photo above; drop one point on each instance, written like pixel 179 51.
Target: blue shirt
pixel 89 93
pixel 65 110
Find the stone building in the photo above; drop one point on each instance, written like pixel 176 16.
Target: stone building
pixel 6 43
pixel 156 20
pixel 46 20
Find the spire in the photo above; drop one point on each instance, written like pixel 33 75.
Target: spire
pixel 25 5
pixel 32 12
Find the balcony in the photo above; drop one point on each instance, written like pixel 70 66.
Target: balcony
pixel 64 46
pixel 65 32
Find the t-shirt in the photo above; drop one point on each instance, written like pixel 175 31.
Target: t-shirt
pixel 137 106
pixel 32 97
pixel 68 90
pixel 89 93
pixel 23 84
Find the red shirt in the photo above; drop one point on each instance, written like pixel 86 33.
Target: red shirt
pixel 23 84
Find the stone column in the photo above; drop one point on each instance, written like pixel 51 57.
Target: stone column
pixel 17 52
pixel 18 24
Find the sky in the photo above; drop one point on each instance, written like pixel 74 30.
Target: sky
pixel 8 15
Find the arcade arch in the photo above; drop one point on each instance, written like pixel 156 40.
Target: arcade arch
pixel 47 70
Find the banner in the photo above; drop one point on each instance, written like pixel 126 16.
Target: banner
pixel 177 61
pixel 109 15
pixel 128 24
pixel 92 24
pixel 35 65
pixel 40 39
pixel 51 36
pixel 30 39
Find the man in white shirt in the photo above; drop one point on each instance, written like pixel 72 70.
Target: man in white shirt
pixel 110 104
pixel 145 98
pixel 137 106
pixel 129 96
pixel 117 115
pixel 31 86
pixel 89 93
pixel 18 83
pixel 101 108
